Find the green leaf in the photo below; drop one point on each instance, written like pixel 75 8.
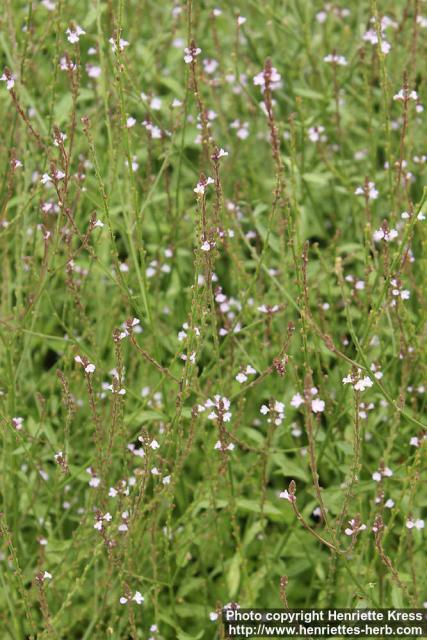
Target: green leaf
pixel 255 507
pixel 233 576
pixel 319 179
pixel 63 108
pixel 397 597
pixel 289 467
pixel 146 416
pixel 309 93
pixel 185 636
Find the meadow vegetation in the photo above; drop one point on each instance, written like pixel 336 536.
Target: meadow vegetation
pixel 212 319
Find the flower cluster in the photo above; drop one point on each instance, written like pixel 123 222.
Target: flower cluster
pixel 333 58
pixel 88 366
pixel 268 77
pixel 368 190
pixel 317 405
pixel 9 79
pixel 355 527
pixel 398 292
pixel 372 35
pixel 95 480
pixel 191 53
pixel 243 374
pixel 200 187
pixel 383 472
pixel 316 134
pixel 137 597
pixel 277 411
pixel 130 326
pixel 358 381
pixel 119 46
pixel 384 233
pixel 219 408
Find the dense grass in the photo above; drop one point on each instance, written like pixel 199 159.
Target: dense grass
pixel 294 260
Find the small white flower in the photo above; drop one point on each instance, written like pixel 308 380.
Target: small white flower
pixel 279 407
pixel 122 45
pixel 123 600
pixel 354 528
pixel 368 190
pixel 93 71
pixel 202 184
pixel 221 446
pixel 363 383
pixel 333 58
pixel 405 95
pixel 210 66
pixel 138 597
pixel 191 53
pixel 65 64
pixel 385 234
pixel 9 79
pixel 17 423
pixel 275 80
pixel 297 400
pixel 45 178
pixel 73 35
pixel 120 392
pixel 62 137
pixel 285 495
pixel 317 405
pixel 49 5
pixel 316 134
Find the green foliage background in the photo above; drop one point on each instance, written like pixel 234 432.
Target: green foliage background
pixel 287 230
